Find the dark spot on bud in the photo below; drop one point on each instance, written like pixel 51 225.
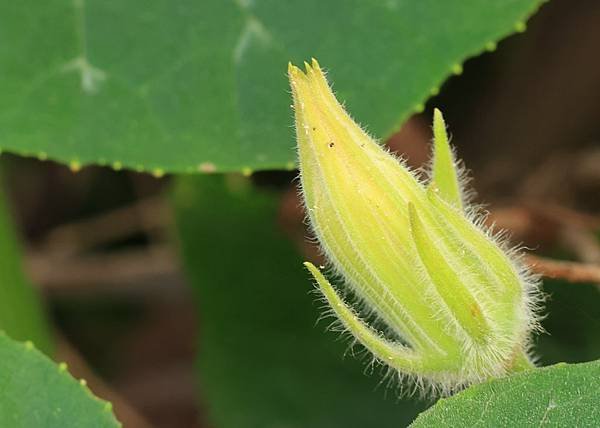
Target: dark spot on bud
pixel 475 311
pixel 331 144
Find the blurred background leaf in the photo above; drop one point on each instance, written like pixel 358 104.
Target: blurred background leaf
pixel 21 313
pixel 35 392
pixel 557 396
pixel 572 323
pixel 262 360
pixel 201 86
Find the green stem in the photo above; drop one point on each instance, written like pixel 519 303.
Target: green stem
pixel 521 362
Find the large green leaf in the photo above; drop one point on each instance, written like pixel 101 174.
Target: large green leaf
pixel 200 85
pixel 21 314
pixel 35 392
pixel 263 362
pixel 557 396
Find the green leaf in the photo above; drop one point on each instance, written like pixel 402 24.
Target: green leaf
pixel 201 86
pixel 21 314
pixel 35 392
pixel 263 362
pixel 557 396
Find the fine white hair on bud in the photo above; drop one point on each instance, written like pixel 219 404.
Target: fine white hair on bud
pixel 459 308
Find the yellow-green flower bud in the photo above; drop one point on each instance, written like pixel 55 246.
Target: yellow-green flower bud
pixel 457 309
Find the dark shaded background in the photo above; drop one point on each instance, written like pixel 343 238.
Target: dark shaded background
pixel 525 119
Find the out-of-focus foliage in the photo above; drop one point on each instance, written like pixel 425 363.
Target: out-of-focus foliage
pixel 21 315
pixel 263 361
pixel 572 323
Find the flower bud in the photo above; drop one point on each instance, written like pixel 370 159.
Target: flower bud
pixel 456 308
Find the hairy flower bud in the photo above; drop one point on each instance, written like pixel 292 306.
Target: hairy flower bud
pixel 456 308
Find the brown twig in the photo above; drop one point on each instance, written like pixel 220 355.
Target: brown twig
pixel 61 262
pixel 146 216
pixel 106 272
pixel 559 269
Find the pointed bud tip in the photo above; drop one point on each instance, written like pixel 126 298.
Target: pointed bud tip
pixel 323 284
pixel 293 70
pixel 312 269
pixel 438 118
pixel 307 67
pixel 295 76
pixel 313 66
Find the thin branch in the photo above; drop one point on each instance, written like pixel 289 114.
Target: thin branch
pixel 151 267
pixel 143 216
pixel 569 271
pixel 63 262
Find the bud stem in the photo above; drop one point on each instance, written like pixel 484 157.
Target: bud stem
pixel 521 362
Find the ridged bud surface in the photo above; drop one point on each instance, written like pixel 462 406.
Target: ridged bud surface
pixel 457 309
